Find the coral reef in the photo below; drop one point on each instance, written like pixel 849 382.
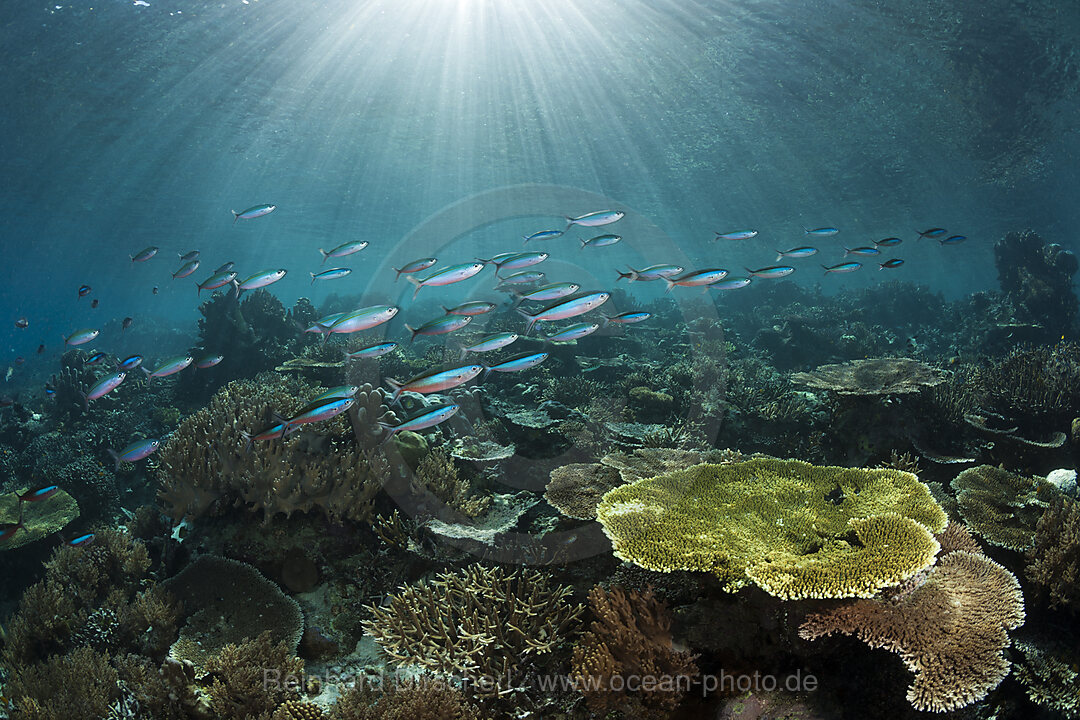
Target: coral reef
pixel 206 462
pixel 422 699
pixel 576 489
pixel 1000 506
pixel 1050 676
pixel 783 525
pixel 1054 556
pixel 631 637
pixel 251 679
pixel 40 519
pixel 80 685
pixel 1036 279
pixel 437 474
pixel 875 376
pixel 227 603
pixel 480 623
pixel 951 630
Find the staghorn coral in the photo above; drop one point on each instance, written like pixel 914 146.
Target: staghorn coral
pixel 951 630
pixel 1054 557
pixel 794 529
pixel 1000 506
pixel 229 602
pixel 251 679
pixel 901 461
pixel 205 461
pixel 874 376
pixel 631 637
pixel 1050 677
pixel 479 623
pixel 78 686
pixel 421 699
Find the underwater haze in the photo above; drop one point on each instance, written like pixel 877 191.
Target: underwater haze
pixel 539 358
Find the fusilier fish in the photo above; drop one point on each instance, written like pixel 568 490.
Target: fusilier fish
pixel 771 273
pixel 343 249
pixel 320 325
pixel 130 362
pixel 414 267
pixel 430 417
pixel 934 232
pixel 953 240
pixel 144 254
pixel 861 251
pixel 595 219
pixel 261 279
pixel 225 267
pixel 737 235
pixel 732 283
pixel 799 252
pixel 81 337
pixel 696 278
pixel 653 272
pixel 38 494
pixel 627 318
pixel 217 280
pixel 84 290
pixel 134 452
pixel 544 235
pixel 189 267
pixel 888 242
pixel 842 267
pixel 565 309
pixel 362 319
pixel 473 307
pixel 890 264
pixel 372 351
pixel 600 241
pixel 81 540
pixel 523 278
pixel 554 291
pixel 103 387
pixel 821 231
pixel 446 276
pixel 331 274
pixel 94 359
pixel 434 381
pixel 208 361
pixel 489 343
pixel 515 261
pixel 440 326
pixel 574 332
pixel 169 367
pixel 274 432
pixel 517 363
pixel 255 211
pixel 189 256
pixel 314 413
pixel 335 393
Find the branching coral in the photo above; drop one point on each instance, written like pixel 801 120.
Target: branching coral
pixel 1051 677
pixel 795 529
pixel 252 679
pixel 630 638
pixel 424 699
pixel 484 624
pixel 229 602
pixel 951 631
pixel 332 468
pixel 438 475
pixel 874 376
pixel 78 686
pixel 1000 506
pixel 1054 558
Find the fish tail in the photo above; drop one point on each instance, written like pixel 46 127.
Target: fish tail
pixel 779 256
pixel 312 278
pixel 390 431
pixel 412 330
pixel 236 216
pixel 484 375
pixel 85 401
pixel 825 268
pixel 524 243
pixel 605 320
pixel 670 284
pixel 530 320
pixel 398 275
pixel 116 458
pixel 847 252
pixel 324 256
pixel 584 242
pixel 396 387
pixel 249 441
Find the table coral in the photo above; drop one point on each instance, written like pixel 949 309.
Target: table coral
pixel 795 529
pixel 951 630
pixel 873 376
pixel 999 506
pixel 40 519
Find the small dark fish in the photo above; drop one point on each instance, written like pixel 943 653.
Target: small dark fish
pixel 953 240
pixel 861 251
pixel 8 530
pixel 931 233
pixel 126 324
pixel 821 231
pixel 84 290
pixel 155 290
pixel 41 348
pixel 208 361
pixel 94 303
pixel 890 264
pixel 38 494
pixel 226 267
pixel 95 358
pixel 50 391
pixel 130 363
pixel 81 540
pixel 888 242
pixel 22 323
pixel 20 360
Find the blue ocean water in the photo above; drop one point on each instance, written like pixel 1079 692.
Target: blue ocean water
pixel 455 128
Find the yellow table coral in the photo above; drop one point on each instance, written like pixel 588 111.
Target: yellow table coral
pixel 794 529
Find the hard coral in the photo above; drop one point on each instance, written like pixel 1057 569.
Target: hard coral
pixel 252 679
pixel 1054 558
pixel 424 699
pixel 874 376
pixel 480 623
pixel 1000 506
pixel 78 686
pixel 951 631
pixel 1050 676
pixel 631 638
pixel 795 529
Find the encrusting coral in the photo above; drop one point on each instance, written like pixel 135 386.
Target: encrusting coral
pixel 331 467
pixel 630 638
pixel 951 629
pixel 1000 506
pixel 1054 558
pixel 480 623
pixel 229 602
pixel 794 529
